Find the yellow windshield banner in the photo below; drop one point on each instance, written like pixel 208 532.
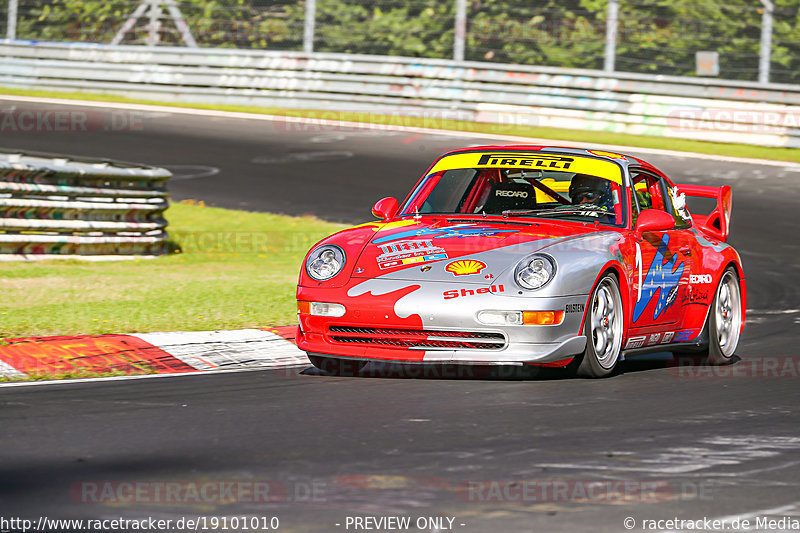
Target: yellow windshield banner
pixel 532 161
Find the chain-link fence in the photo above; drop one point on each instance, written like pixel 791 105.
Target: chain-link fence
pixel 226 23
pixel 651 36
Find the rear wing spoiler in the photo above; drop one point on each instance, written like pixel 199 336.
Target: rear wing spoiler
pixel 716 224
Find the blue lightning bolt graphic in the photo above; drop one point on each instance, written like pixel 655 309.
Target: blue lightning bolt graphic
pixel 660 276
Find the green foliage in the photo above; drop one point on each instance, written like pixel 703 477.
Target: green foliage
pixel 663 37
pixel 219 23
pixel 416 29
pixel 561 33
pixel 655 36
pixel 786 42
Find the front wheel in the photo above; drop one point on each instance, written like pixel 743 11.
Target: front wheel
pixel 725 319
pixel 335 366
pixel 604 329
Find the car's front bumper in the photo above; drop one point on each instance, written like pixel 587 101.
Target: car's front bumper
pixel 418 324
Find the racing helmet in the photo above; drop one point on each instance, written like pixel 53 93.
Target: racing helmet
pixel 591 189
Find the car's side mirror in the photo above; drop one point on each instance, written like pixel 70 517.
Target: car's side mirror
pixel 386 208
pixel 654 220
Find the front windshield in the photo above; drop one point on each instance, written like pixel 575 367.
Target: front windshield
pixel 588 196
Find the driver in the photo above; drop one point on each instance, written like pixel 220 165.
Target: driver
pixel 584 189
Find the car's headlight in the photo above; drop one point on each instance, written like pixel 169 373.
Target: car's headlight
pixel 325 262
pixel 535 272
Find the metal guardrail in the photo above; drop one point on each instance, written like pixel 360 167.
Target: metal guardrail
pixel 57 206
pixel 677 107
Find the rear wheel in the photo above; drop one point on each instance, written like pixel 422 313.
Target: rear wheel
pixel 725 319
pixel 604 329
pixel 335 366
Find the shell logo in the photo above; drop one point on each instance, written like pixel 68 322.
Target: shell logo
pixel 464 267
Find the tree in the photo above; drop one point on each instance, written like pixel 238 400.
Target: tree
pixel 220 23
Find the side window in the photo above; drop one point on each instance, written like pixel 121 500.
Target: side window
pixel 642 198
pixel 653 192
pixel 646 193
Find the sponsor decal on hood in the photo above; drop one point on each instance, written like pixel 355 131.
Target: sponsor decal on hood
pixel 399 252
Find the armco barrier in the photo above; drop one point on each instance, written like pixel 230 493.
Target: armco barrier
pixel 678 107
pixel 54 206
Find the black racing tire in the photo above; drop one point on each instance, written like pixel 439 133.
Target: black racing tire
pixel 604 329
pixel 724 320
pixel 336 366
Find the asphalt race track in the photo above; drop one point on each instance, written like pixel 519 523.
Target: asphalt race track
pixel 497 453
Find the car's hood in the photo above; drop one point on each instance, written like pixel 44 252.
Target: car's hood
pixel 456 250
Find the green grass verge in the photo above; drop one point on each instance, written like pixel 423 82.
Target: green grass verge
pixel 557 134
pixel 236 269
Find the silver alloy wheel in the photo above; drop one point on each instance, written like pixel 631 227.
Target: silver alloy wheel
pixel 606 321
pixel 728 314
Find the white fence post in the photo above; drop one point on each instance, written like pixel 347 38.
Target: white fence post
pixel 153 35
pixel 612 20
pixel 308 28
pixel 766 42
pixel 460 30
pixel 11 27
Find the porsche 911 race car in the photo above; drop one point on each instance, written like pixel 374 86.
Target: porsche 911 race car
pixel 534 255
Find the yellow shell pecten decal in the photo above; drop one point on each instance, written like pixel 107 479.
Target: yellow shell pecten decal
pixel 532 161
pixel 464 267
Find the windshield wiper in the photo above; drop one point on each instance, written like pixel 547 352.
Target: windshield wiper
pixel 572 210
pixel 524 211
pixel 482 221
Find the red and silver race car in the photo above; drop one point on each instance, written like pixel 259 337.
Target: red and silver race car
pixel 533 255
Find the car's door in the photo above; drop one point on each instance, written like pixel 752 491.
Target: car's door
pixel 664 262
